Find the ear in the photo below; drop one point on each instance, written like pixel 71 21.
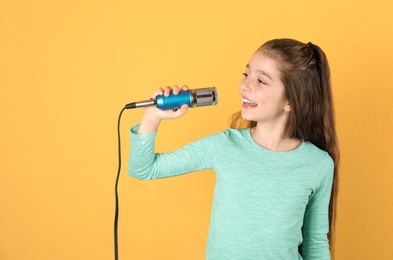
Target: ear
pixel 287 108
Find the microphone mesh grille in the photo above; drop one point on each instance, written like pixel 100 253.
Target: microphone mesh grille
pixel 205 97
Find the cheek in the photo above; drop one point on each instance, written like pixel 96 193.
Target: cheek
pixel 263 96
pixel 274 100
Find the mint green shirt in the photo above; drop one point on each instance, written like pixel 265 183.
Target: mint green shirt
pixel 265 203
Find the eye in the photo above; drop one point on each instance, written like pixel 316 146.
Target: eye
pixel 262 82
pixel 245 75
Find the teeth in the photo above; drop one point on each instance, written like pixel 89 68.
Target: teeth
pixel 247 101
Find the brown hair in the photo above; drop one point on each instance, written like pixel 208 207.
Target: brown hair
pixel 305 72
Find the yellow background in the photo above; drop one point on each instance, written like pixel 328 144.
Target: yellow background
pixel 67 68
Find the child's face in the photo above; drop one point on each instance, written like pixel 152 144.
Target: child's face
pixel 262 91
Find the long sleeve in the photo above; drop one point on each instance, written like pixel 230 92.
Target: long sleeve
pixel 263 200
pixel 144 163
pixel 316 218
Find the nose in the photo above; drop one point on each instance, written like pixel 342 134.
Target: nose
pixel 245 85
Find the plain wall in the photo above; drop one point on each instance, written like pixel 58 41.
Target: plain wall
pixel 67 68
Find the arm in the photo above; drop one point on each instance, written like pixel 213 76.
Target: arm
pixel 144 163
pixel 316 219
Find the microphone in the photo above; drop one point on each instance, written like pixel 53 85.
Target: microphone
pixel 194 98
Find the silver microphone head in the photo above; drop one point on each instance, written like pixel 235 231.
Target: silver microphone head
pixel 204 97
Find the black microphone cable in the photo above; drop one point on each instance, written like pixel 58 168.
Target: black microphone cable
pixel 116 221
pixel 197 97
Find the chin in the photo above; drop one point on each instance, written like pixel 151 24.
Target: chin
pixel 246 116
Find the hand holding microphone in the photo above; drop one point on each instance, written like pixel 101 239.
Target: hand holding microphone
pixel 172 103
pixel 169 95
pixel 174 100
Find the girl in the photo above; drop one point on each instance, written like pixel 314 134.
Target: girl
pixel 275 167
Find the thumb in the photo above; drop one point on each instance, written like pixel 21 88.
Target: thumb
pixel 181 111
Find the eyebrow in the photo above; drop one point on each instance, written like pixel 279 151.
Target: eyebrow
pixel 261 72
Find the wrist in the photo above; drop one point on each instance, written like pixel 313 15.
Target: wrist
pixel 149 124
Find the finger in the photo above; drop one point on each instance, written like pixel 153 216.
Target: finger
pixel 157 92
pixel 175 90
pixel 167 91
pixel 184 88
pixel 181 111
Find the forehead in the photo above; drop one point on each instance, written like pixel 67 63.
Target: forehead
pixel 261 59
pixel 261 62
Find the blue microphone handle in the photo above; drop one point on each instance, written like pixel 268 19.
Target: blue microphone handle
pixel 174 101
pixel 193 98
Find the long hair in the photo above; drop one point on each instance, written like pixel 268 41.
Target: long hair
pixel 305 72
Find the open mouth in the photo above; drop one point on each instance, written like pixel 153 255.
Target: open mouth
pixel 248 103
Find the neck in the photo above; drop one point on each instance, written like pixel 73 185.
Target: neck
pixel 273 138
